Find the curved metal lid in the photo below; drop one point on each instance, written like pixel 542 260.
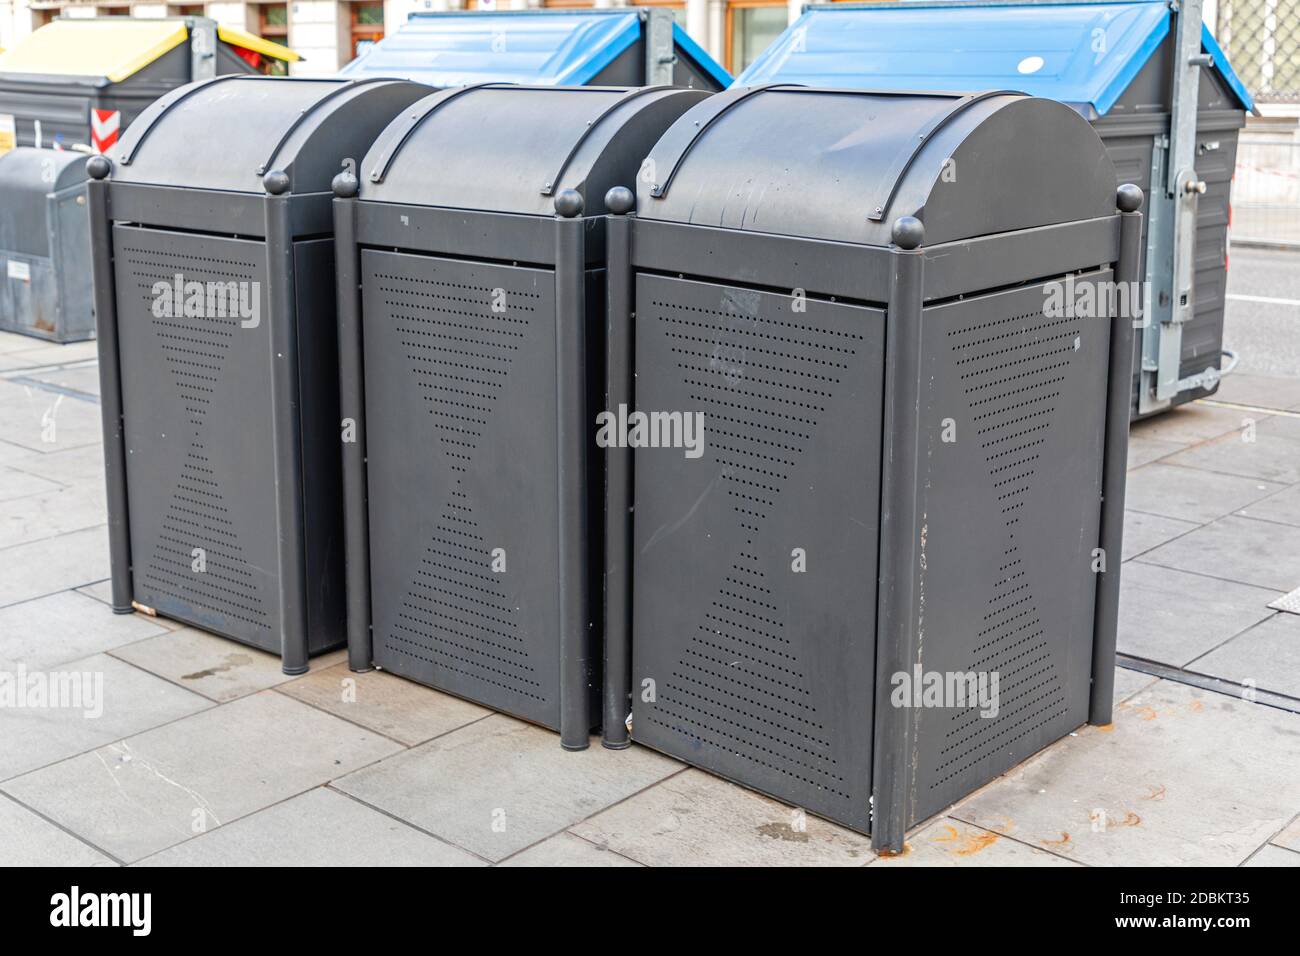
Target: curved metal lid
pixel 506 148
pixel 226 133
pixel 41 171
pixel 844 164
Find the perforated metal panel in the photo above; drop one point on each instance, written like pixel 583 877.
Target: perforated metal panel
pixel 461 448
pixel 196 404
pixel 754 597
pixel 1010 513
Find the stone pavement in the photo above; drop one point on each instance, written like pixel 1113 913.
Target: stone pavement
pixel 205 754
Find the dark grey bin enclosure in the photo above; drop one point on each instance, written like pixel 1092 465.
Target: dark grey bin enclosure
pixel 909 456
pixel 44 251
pixel 471 324
pixel 221 425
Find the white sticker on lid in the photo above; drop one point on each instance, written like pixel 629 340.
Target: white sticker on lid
pixel 21 271
pixel 1030 64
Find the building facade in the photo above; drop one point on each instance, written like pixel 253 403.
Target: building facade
pixel 329 33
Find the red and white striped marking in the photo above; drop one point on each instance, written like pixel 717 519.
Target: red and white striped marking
pixel 104 127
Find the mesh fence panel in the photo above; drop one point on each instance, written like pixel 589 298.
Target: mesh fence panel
pixel 1262 40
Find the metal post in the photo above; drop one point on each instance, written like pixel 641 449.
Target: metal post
pixel 660 52
pixel 352 407
pixel 286 426
pixel 619 327
pixel 1106 614
pixel 894 769
pixel 571 434
pixel 110 381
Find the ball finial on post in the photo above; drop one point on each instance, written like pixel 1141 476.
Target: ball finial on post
pixel 345 185
pixel 908 232
pixel 1128 198
pixel 620 200
pixel 276 182
pixel 569 203
pixel 98 167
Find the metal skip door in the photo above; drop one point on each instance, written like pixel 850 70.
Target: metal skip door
pixel 460 408
pixel 753 607
pixel 197 426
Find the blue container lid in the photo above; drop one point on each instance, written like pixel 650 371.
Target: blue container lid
pixel 1084 54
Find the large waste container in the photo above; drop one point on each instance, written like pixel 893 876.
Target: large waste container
pixel 1147 74
pixel 214 291
pixel 44 250
pixel 471 330
pixel 890 316
pixel 596 47
pixel 78 83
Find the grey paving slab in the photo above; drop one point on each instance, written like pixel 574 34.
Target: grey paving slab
pixel 401 709
pixel 78 378
pixel 1192 423
pixel 10 453
pixel 216 667
pixel 1142 451
pixel 1192 494
pixel 1182 777
pixel 1174 617
pixel 51 514
pixel 1269 456
pixel 1286 425
pixel 1261 553
pixel 1128 683
pixel 499 785
pixel 13 342
pixel 1142 531
pixel 1284 506
pixel 63 627
pixel 950 842
pixel 68 466
pixel 1290 837
pixel 28 840
pixel 20 484
pixel 1270 855
pixel 143 794
pixel 39 353
pixel 1262 391
pixel 46 421
pixel 319 828
pixel 53 564
pixel 114 700
pixel 1266 657
pixel 696 819
pixel 565 849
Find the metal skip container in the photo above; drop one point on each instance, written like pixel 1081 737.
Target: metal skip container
pixel 214 291
pixel 44 256
pixel 898 322
pixel 471 324
pixel 599 46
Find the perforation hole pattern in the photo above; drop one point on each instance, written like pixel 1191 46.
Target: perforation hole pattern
pixel 197 516
pixel 763 382
pixel 461 340
pixel 1012 370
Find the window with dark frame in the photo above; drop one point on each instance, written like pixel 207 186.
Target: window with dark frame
pixel 367 25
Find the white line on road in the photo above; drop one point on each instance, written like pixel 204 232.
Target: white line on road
pixel 1268 300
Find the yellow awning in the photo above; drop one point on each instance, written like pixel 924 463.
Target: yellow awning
pixel 110 47
pixel 255 43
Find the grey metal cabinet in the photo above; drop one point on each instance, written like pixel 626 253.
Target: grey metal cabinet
pixel 914 442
